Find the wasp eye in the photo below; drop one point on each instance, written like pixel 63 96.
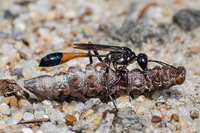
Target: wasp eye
pixel 142 61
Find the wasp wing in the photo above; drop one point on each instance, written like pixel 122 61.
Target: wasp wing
pixel 86 46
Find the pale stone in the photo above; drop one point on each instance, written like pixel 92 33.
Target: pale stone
pixel 68 110
pixel 3 125
pixel 148 104
pixel 6 100
pixel 39 114
pixel 98 118
pixel 90 112
pixel 18 116
pixel 140 99
pixel 27 130
pixel 13 109
pixel 23 103
pixel 4 109
pixel 141 110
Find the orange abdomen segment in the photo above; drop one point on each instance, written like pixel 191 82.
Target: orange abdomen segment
pixel 68 56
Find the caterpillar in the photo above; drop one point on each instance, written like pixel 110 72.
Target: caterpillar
pixel 91 82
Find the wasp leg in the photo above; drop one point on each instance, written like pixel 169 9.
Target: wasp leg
pixel 127 87
pixel 121 71
pixel 96 53
pixel 90 57
pixel 107 85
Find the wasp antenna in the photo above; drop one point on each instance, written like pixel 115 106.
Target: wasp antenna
pixel 162 63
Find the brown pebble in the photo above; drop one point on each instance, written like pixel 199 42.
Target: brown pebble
pixel 35 128
pixel 59 107
pixel 175 117
pixel 70 120
pixel 88 11
pixel 195 50
pixel 194 114
pixel 156 119
pixel 155 124
pixel 13 101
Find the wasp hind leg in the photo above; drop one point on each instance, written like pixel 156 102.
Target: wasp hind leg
pixel 95 53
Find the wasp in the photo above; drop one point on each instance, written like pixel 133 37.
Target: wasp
pixel 120 57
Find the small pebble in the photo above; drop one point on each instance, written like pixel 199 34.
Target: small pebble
pixel 39 114
pixel 93 103
pixel 6 100
pixel 140 99
pixel 28 116
pixel 18 35
pixel 12 121
pixel 18 116
pixel 155 95
pixel 160 100
pixel 27 130
pixel 17 72
pixel 3 125
pixel 1 98
pixel 175 117
pixel 161 106
pixel 155 124
pixel 14 127
pixel 90 112
pixel 56 116
pixel 148 104
pixel 98 116
pixel 4 109
pixel 166 118
pixel 23 103
pixel 156 119
pixel 13 109
pixel 122 98
pixel 156 112
pixel 70 14
pixel 187 19
pixel 48 127
pixel 88 131
pixel 59 107
pixel 68 110
pixel 13 101
pixel 70 120
pixel 50 15
pixel 35 128
pixel 141 110
pixel 39 131
pixel 3 35
pixel 194 114
pixel 7 14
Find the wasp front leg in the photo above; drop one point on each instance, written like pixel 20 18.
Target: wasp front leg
pixel 107 85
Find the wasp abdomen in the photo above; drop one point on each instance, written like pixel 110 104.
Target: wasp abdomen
pixel 51 60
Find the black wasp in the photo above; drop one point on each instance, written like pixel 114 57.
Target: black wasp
pixel 120 57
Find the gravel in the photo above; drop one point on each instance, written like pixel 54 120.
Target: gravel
pixel 29 30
